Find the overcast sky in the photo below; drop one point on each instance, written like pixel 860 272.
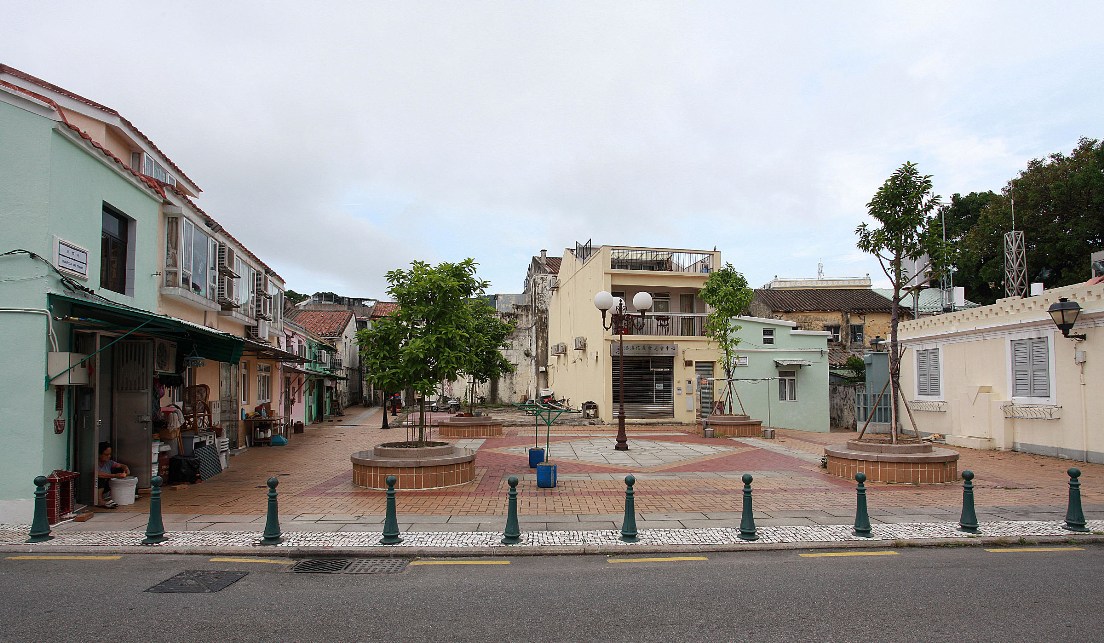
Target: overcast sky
pixel 341 140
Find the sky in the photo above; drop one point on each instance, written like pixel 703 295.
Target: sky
pixel 341 140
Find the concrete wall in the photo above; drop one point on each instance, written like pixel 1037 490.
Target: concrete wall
pixel 975 407
pixel 757 383
pixel 52 185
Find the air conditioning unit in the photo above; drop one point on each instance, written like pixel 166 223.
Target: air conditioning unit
pixel 264 300
pixel 580 343
pixel 559 349
pixel 553 283
pixel 258 332
pixel 225 293
pixel 226 260
pixel 164 356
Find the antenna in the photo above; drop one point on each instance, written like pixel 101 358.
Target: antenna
pixel 1015 260
pixel 820 270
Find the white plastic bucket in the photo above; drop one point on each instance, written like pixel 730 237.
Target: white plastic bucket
pixel 122 490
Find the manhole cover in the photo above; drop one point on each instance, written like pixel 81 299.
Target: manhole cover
pixel 377 565
pixel 321 566
pixel 197 582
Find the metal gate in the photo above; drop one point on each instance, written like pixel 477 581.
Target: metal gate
pixel 648 387
pixel 704 373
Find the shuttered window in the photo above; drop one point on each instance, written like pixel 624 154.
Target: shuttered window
pixel 927 372
pixel 1031 367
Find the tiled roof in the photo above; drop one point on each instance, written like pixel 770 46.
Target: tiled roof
pixel 155 185
pixel 325 323
pixel 4 69
pixel 383 309
pixel 856 300
pixel 554 265
pixel 931 300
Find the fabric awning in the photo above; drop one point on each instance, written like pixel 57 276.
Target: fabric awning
pixel 190 337
pixel 792 362
pixel 265 351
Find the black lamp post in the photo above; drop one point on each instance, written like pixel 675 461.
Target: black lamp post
pixel 620 321
pixel 1064 313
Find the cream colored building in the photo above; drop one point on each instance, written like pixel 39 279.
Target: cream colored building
pixel 662 357
pixel 1003 377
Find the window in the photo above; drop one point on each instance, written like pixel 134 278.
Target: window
pixel 264 383
pixel 245 384
pixel 144 163
pixel 768 336
pixel 835 331
pixel 787 386
pixel 661 302
pixel 199 257
pixel 927 372
pixel 114 251
pixel 1031 367
pixel 858 336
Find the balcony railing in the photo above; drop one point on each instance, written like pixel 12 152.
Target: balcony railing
pixel 673 324
pixel 660 260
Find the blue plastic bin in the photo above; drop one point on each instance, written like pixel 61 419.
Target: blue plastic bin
pixel 536 456
pixel 546 476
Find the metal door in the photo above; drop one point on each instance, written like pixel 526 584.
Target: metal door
pixel 704 373
pixel 649 384
pixel 132 398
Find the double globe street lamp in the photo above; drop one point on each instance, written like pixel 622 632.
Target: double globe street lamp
pixel 620 322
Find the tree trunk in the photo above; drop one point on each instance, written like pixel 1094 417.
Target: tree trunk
pixel 386 403
pixel 894 365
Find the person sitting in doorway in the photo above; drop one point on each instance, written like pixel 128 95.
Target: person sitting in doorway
pixel 105 471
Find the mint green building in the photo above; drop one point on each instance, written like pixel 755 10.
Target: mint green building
pixel 781 374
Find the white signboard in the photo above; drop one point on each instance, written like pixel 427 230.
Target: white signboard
pixel 741 360
pixel 645 350
pixel 72 258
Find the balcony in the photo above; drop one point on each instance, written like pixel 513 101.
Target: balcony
pixel 670 325
pixel 661 260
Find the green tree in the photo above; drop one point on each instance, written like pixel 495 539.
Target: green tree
pixel 980 273
pixel 380 352
pixel 295 297
pixel 428 338
pixel 907 230
pixel 1059 204
pixel 728 295
pixel 489 336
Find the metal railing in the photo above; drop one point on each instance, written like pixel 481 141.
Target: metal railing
pixel 674 324
pixel 660 260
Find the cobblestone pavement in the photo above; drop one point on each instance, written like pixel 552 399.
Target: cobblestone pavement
pixel 688 487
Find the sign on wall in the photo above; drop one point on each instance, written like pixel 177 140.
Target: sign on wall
pixel 645 350
pixel 71 258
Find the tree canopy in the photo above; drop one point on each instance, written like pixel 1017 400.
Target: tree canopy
pixel 728 295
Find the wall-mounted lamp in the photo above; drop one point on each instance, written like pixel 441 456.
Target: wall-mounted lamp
pixel 1064 313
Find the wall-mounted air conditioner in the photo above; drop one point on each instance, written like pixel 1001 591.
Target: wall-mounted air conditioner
pixel 225 292
pixel 580 343
pixel 559 349
pixel 258 332
pixel 226 260
pixel 164 356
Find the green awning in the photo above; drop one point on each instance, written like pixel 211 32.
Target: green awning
pixel 190 337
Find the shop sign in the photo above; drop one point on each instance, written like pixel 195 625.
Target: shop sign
pixel 645 350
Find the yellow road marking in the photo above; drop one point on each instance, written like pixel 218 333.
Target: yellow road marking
pixel 460 562
pixel 655 560
pixel 62 557
pixel 226 559
pixel 1003 550
pixel 840 554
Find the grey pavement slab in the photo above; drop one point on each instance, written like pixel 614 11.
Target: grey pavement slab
pixel 690 515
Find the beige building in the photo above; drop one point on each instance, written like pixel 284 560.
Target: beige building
pixel 662 356
pixel 1003 376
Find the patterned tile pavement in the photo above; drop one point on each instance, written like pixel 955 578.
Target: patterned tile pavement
pixel 688 492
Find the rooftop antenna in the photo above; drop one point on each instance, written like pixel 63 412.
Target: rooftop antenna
pixel 1015 260
pixel 820 270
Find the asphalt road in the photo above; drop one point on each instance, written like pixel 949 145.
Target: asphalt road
pixel 914 594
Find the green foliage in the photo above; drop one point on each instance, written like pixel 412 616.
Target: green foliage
pixel 439 329
pixel 980 273
pixel 728 295
pixel 295 297
pixel 1059 204
pixel 904 208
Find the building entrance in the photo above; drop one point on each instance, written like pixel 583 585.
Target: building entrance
pixel 648 387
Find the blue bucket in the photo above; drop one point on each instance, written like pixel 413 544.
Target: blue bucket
pixel 536 456
pixel 546 476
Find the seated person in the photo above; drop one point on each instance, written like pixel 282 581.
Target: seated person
pixel 106 470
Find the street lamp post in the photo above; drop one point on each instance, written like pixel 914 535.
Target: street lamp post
pixel 620 321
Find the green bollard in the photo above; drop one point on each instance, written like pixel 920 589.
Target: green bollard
pixel 628 528
pixel 272 534
pixel 747 519
pixel 862 518
pixel 40 524
pixel 391 523
pixel 155 528
pixel 968 522
pixel 512 535
pixel 1075 518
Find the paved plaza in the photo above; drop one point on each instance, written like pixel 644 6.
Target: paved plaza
pixel 688 493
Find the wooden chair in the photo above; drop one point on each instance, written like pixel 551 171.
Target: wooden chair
pixel 196 408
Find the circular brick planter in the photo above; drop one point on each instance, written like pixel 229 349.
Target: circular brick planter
pixel 920 463
pixel 469 427
pixel 414 468
pixel 734 426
